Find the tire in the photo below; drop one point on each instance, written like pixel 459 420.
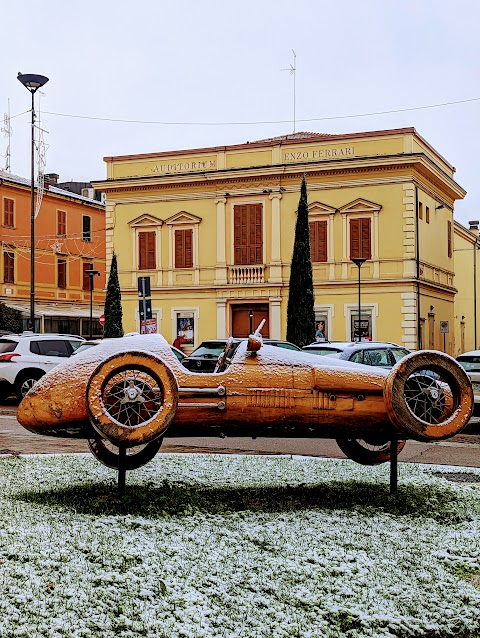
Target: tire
pixel 107 453
pixel 428 396
pixel 371 451
pixel 26 381
pixel 132 398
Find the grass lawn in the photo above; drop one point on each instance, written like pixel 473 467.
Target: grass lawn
pixel 227 546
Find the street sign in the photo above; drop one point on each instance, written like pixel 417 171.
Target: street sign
pixel 101 320
pixel 145 308
pixel 144 287
pixel 148 327
pixel 444 326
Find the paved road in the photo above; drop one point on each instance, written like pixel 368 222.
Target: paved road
pixel 462 450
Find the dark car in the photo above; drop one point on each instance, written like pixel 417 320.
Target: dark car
pixel 370 353
pixel 205 357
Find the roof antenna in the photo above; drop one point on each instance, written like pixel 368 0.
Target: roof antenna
pixel 292 70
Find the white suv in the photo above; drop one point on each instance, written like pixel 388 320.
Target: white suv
pixel 26 357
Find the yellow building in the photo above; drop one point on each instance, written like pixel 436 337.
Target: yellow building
pixel 213 228
pixel 467 281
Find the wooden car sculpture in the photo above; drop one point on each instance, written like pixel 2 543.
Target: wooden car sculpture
pixel 125 393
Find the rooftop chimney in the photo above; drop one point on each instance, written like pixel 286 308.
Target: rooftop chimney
pixel 473 225
pixel 51 178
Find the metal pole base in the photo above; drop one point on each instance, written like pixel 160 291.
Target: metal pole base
pixel 122 469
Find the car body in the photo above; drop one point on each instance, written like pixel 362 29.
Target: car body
pixel 26 357
pixel 470 361
pixel 205 357
pixel 90 343
pixel 126 393
pixel 372 353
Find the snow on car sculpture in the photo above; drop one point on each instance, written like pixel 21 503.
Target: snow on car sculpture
pixel 125 393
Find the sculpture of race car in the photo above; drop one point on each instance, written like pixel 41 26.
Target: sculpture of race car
pixel 125 393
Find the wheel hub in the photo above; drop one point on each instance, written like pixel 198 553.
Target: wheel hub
pixel 132 393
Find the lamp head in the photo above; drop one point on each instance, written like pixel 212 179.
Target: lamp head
pixel 92 273
pixel 359 261
pixel 31 81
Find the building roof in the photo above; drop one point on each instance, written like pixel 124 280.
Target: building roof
pixel 22 181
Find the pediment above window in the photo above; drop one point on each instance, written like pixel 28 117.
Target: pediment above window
pixel 145 221
pixel 183 218
pixel 361 206
pixel 317 208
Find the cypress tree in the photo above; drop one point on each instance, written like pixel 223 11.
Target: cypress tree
pixel 301 300
pixel 113 304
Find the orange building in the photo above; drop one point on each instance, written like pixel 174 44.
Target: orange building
pixel 69 239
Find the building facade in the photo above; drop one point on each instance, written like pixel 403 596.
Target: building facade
pixel 69 239
pixel 213 229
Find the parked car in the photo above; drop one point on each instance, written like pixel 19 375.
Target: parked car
pixel 86 345
pixel 26 357
pixel 205 357
pixel 118 396
pixel 470 361
pixel 370 353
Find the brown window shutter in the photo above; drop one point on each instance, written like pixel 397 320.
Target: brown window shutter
pixel 146 251
pixel 449 238
pixel 360 238
pixel 61 223
pixel 8 217
pixel 8 268
pixel 62 273
pixel 366 240
pixel 354 238
pixel 318 241
pixel 86 278
pixel 248 234
pixel 183 248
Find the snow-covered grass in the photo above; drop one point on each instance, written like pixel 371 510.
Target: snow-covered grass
pixel 223 546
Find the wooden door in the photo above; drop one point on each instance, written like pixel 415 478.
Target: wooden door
pixel 241 321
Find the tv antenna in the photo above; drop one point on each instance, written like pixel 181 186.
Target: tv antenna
pixel 7 129
pixel 292 69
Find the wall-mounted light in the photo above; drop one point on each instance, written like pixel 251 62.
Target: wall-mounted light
pixel 439 207
pixel 432 308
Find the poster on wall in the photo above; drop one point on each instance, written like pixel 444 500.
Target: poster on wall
pixel 361 330
pixel 321 327
pixel 185 328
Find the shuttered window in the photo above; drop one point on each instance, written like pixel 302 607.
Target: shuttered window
pixel 8 212
pixel 318 241
pixel 62 273
pixel 360 238
pixel 8 268
pixel 86 228
pixel 449 238
pixel 86 278
pixel 146 251
pixel 183 248
pixel 61 223
pixel 248 234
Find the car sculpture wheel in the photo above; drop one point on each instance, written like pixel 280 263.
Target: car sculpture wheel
pixel 428 397
pixel 371 450
pixel 132 398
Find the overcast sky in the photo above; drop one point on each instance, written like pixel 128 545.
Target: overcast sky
pixel 211 64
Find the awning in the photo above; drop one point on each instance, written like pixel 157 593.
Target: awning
pixel 43 309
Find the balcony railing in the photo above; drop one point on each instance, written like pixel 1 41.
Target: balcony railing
pixel 242 275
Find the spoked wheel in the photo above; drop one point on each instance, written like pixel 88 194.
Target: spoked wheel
pixel 428 396
pixel 132 398
pixel 369 451
pixel 107 453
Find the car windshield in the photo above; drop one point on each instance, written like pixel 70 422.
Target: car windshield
pixel 84 346
pixel 209 350
pixel 322 351
pixel 471 363
pixel 399 353
pixel 284 344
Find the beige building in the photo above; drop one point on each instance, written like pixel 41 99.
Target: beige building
pixel 213 229
pixel 467 282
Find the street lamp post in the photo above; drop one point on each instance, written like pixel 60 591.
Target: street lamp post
pixel 32 82
pixel 359 261
pixel 91 273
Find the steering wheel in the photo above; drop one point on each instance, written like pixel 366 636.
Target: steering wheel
pixel 223 357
